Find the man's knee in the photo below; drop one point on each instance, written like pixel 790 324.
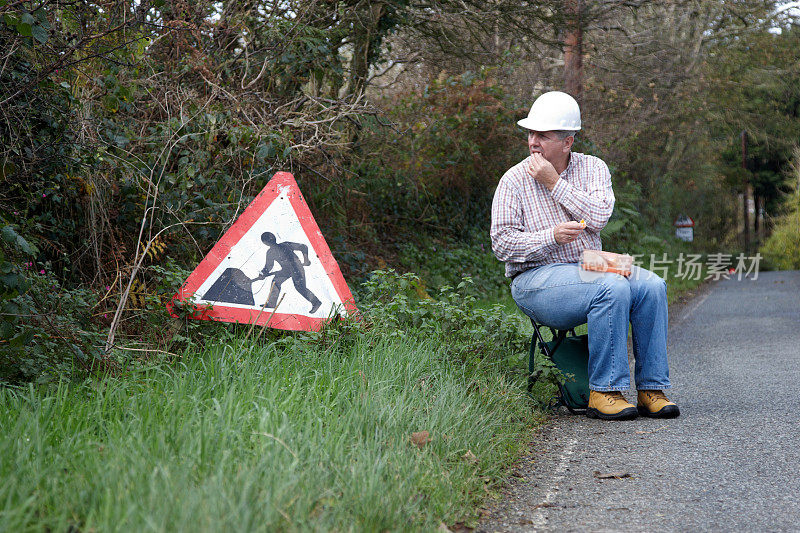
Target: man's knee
pixel 615 288
pixel 648 279
pixel 654 286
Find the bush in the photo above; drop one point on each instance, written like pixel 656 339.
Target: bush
pixel 45 329
pixel 429 179
pixel 441 262
pixel 399 305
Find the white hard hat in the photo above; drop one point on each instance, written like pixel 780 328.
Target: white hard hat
pixel 553 111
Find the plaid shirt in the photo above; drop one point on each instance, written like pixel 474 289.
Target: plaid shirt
pixel 525 212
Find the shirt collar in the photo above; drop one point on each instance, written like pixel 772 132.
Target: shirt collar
pixel 570 164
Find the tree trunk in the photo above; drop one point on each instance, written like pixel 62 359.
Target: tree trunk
pixel 363 39
pixel 745 195
pixel 756 225
pixel 573 51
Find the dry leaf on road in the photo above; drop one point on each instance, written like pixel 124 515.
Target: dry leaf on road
pixel 611 475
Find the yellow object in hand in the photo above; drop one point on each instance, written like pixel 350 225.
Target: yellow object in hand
pixel 583 223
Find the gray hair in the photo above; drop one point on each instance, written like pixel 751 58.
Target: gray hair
pixel 563 134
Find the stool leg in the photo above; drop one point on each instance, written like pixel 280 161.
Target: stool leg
pixel 532 364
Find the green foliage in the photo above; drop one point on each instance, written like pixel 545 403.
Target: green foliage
pixel 440 262
pixel 625 229
pixel 45 331
pixel 27 24
pixel 439 174
pixel 781 250
pixel 13 283
pixel 762 79
pixel 398 305
pixel 476 334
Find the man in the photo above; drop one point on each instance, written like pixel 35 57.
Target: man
pixel 284 254
pixel 535 231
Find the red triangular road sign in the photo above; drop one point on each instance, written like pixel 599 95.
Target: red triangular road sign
pixel 272 267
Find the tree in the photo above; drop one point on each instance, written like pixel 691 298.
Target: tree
pixel 650 108
pixel 757 90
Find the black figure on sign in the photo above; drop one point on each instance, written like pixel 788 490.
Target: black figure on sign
pixel 233 286
pixel 284 254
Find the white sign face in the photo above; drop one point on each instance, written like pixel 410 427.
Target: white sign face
pixel 273 264
pixel 685 234
pixel 272 268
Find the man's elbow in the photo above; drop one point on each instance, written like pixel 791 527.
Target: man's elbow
pixel 599 224
pixel 500 251
pixel 599 220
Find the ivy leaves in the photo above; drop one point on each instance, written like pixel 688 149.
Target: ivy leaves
pixel 13 282
pixel 26 24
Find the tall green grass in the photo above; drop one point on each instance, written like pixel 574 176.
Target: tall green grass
pixel 290 436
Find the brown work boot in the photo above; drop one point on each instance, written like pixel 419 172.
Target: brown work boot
pixel 610 405
pixel 654 403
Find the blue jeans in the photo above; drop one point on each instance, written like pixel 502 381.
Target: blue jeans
pixel 562 295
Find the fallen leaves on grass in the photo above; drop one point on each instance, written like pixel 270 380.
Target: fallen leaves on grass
pixel 420 439
pixel 470 457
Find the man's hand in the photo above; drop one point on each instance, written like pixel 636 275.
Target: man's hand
pixel 543 171
pixel 567 231
pixel 261 275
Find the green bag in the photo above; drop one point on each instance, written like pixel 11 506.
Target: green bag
pixel 570 354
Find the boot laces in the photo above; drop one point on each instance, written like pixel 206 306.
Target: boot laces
pixel 656 395
pixel 614 397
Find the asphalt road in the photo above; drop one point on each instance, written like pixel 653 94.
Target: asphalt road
pixel 730 462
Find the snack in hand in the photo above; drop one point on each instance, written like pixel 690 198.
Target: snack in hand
pixel 583 223
pixel 599 261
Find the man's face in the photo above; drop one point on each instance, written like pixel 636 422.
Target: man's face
pixel 549 145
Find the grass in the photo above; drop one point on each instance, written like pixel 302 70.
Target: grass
pixel 291 436
pixel 297 434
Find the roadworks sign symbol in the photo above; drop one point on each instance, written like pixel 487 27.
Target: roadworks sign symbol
pixel 273 267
